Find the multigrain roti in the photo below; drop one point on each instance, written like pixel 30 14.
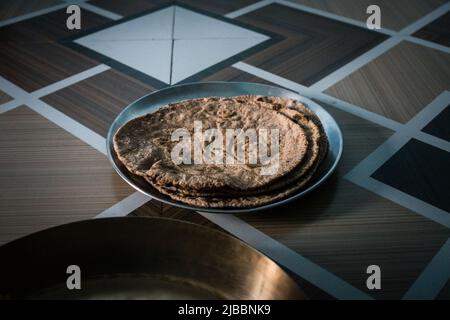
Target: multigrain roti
pixel 144 146
pixel 317 146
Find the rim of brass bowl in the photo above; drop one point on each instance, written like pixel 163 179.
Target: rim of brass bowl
pixel 142 246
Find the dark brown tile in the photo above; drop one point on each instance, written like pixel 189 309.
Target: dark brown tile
pixel 437 31
pixel 96 101
pixel 4 97
pixel 48 27
pixel 49 177
pixel 314 46
pixel 420 170
pixel 14 8
pixel 128 8
pixel 439 125
pixel 32 66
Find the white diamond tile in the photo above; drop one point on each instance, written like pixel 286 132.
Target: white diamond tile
pixel 193 56
pixel 155 25
pixel 152 57
pixel 146 43
pixel 192 25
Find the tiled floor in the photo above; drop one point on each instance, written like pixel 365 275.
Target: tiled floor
pixel 421 170
pixel 96 101
pixel 31 56
pixel 437 31
pixel 326 240
pixel 409 76
pixel 4 97
pixel 439 126
pixel 180 41
pixel 313 46
pixel 13 8
pixel 49 177
pixel 395 14
pixel 124 8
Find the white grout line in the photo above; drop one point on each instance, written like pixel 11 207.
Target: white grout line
pixel 432 140
pixel 378 157
pixel 420 120
pixel 11 89
pixel 422 22
pixel 249 8
pixel 277 251
pixel 313 94
pixel 361 173
pixel 124 207
pixel 405 200
pixel 32 101
pixel 356 64
pixel 428 44
pixel 101 11
pixel 397 37
pixel 69 81
pixel 77 129
pixel 332 16
pixel 433 278
pixel 9 105
pixel 287 257
pixel 22 97
pixel 263 74
pixel 32 14
pixel 357 111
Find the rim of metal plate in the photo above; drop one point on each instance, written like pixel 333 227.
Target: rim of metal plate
pixel 160 98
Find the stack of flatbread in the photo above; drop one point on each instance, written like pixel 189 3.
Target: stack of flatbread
pixel 146 145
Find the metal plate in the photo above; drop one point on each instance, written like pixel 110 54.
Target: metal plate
pixel 139 258
pixel 178 93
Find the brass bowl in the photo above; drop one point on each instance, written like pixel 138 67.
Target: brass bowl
pixel 149 258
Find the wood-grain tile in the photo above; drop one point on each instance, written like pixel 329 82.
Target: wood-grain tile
pixel 4 97
pixel 437 31
pixel 394 14
pixel 32 56
pixel 399 83
pixel 96 101
pixel 15 8
pixel 32 66
pixel 127 8
pixel 49 177
pixel 345 228
pixel 48 27
pixel 313 46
